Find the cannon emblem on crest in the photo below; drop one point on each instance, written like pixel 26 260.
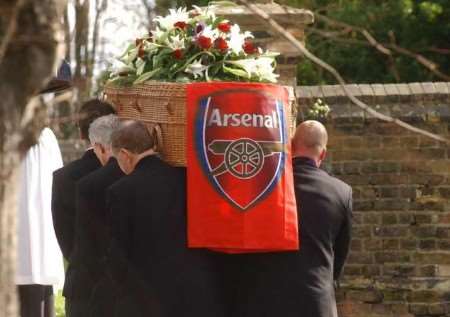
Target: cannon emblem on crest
pixel 243 158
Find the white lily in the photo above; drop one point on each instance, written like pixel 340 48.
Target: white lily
pixel 267 53
pixel 150 46
pixel 175 43
pixel 174 16
pixel 207 13
pixel 259 67
pixel 246 64
pixel 265 70
pixel 208 31
pixel 237 39
pixel 158 34
pixel 196 69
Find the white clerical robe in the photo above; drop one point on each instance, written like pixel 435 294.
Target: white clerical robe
pixel 39 259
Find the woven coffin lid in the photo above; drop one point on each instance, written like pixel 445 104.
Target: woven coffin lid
pixel 165 105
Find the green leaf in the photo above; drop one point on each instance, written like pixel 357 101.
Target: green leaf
pixel 125 69
pixel 270 54
pixel 236 72
pixel 140 64
pixel 146 76
pixel 190 60
pixel 207 75
pixel 129 48
pixel 215 68
pixel 165 51
pixel 131 56
pixel 182 79
pixel 158 59
pixel 122 80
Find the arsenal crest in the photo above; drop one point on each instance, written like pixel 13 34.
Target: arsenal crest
pixel 240 140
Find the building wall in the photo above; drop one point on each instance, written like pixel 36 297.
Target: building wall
pixel 399 263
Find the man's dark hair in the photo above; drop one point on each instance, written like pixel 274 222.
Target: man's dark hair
pixel 90 111
pixel 133 136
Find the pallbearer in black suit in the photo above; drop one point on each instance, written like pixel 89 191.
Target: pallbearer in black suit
pixel 294 284
pixel 63 195
pixel 92 233
pixel 148 209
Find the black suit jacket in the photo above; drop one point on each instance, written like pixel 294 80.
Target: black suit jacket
pixel 301 283
pixel 92 232
pixel 148 210
pixel 64 206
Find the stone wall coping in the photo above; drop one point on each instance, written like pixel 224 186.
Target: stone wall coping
pixel 380 92
pixel 283 13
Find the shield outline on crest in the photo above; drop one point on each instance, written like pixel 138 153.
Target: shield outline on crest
pixel 201 148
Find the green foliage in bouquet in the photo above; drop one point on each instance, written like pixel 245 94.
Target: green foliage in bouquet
pixel 195 45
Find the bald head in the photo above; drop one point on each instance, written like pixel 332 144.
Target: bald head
pixel 310 140
pixel 132 136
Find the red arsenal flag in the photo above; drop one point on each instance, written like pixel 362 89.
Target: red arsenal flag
pixel 240 184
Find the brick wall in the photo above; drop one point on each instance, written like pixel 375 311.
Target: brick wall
pixel 400 254
pixel 399 265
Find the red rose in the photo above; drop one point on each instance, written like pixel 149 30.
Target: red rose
pixel 141 51
pixel 249 48
pixel 224 27
pixel 138 42
pixel 180 24
pixel 178 54
pixel 204 42
pixel 221 44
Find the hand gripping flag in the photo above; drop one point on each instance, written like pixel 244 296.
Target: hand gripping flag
pixel 240 184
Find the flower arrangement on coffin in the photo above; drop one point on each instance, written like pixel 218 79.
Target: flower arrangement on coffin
pixel 197 45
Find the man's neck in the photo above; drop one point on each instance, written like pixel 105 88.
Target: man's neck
pixel 108 159
pixel 307 156
pixel 144 154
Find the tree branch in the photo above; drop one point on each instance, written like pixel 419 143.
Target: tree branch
pixel 10 29
pixel 363 31
pixel 289 37
pixel 432 66
pixel 384 48
pixel 443 51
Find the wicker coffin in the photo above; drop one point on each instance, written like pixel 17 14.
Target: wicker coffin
pixel 164 105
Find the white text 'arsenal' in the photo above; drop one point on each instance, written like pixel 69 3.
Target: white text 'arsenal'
pixel 243 120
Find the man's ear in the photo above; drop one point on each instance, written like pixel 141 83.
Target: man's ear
pixel 99 147
pixel 102 148
pixel 125 152
pixel 323 155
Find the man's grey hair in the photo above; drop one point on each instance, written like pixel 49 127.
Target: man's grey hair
pixel 101 129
